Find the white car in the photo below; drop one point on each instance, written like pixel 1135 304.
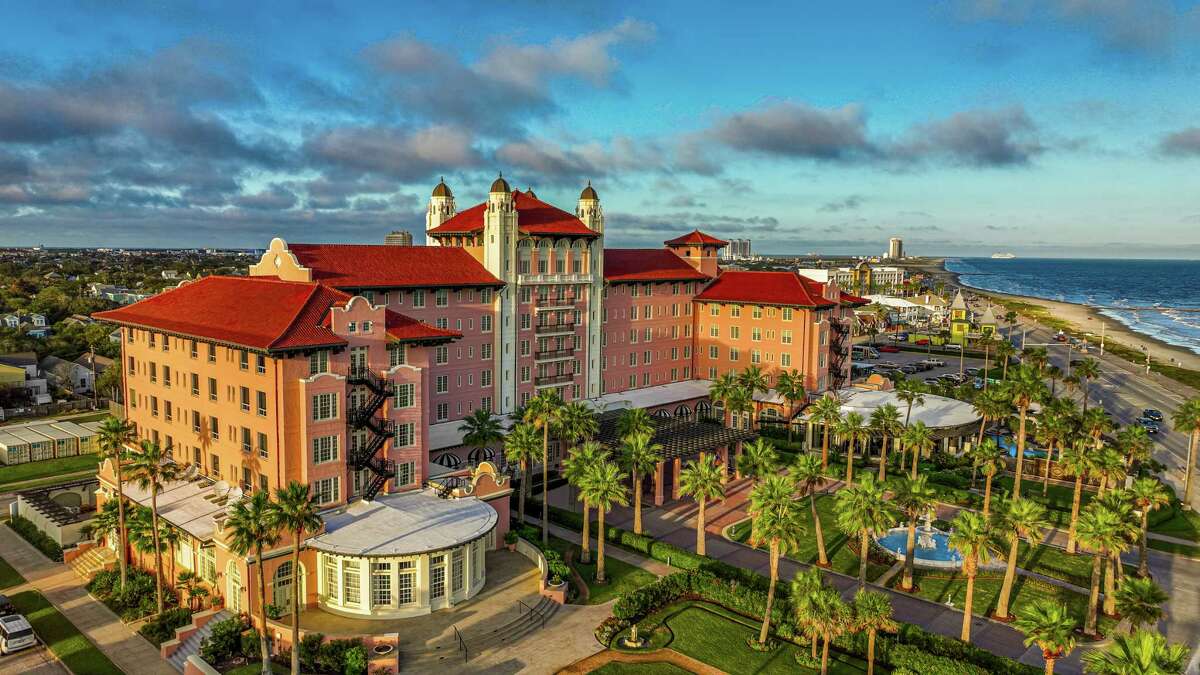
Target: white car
pixel 15 634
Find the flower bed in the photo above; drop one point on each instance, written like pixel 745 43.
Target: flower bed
pixel 136 601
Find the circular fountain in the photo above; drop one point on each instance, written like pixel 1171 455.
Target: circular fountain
pixel 932 547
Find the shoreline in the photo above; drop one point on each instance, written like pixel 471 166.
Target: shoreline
pixel 1085 319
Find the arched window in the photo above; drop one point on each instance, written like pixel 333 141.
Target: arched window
pixel 283 583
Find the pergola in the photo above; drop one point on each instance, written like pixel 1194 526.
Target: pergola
pixel 680 439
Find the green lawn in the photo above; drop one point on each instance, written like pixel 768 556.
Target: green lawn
pixel 651 668
pixel 1172 547
pixel 621 576
pixel 1056 562
pixel 1184 524
pixel 44 469
pixel 255 667
pixel 1058 497
pixel 62 637
pixel 940 588
pixel 719 638
pixel 841 558
pixel 9 577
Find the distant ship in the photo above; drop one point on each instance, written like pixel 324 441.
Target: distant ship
pixel 1003 256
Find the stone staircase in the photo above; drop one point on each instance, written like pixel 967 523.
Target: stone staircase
pixel 192 644
pixel 92 561
pixel 449 655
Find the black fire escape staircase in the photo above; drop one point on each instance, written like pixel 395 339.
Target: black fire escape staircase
pixel 839 351
pixel 379 430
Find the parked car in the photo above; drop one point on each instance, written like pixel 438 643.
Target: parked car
pixel 931 381
pixel 923 341
pixel 935 363
pixel 973 371
pixel 15 634
pixel 952 347
pixel 1152 414
pixel 908 370
pixel 890 349
pixel 6 607
pixel 1060 337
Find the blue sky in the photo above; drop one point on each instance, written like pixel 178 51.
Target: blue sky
pixel 1051 127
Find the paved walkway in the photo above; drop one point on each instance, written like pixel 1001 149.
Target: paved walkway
pixel 132 653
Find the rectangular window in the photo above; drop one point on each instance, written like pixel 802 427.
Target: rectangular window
pixel 456 570
pixel 441 384
pixel 324 407
pixel 756 312
pixel 166 375
pixel 246 447
pixel 735 311
pixel 485 323
pixel 441 355
pixel 405 473
pixel 485 351
pixel 326 490
pixel 244 397
pixel 260 364
pixel 381 584
pixel 714 352
pixel 214 429
pixel 437 579
pixel 756 335
pixel 733 354
pixel 318 362
pixel 404 396
pixel 785 359
pixel 350 582
pixel 405 582
pixel 755 356
pixel 331 579
pixel 418 298
pixel 485 378
pixel 404 435
pixel 787 313
pixel 786 337
pixel 735 332
pixel 441 298
pixel 195 384
pixel 262 444
pixel 443 412
pixel 325 449
pixel 261 403
pixel 243 360
pixel 212 388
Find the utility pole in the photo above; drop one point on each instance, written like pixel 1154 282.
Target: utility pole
pixel 1101 338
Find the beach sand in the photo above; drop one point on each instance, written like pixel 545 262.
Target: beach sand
pixel 1087 320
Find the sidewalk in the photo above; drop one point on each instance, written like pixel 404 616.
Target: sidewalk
pixel 132 653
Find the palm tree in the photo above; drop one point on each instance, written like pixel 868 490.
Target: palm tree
pixel 150 467
pixel 634 422
pixel 873 613
pixel 1140 601
pixel 918 438
pixel 1019 518
pixel 115 436
pixel 914 498
pixel 909 394
pixel 722 390
pixel 885 421
pixel 704 480
pixel 1052 431
pixel 991 406
pixel 170 537
pixel 576 470
pixel 1079 461
pixel 808 476
pixel 806 584
pixel 987 342
pixel 1100 530
pixel 1110 468
pixel 971 537
pixel 853 431
pixel 827 411
pixel 605 488
pixel 1186 420
pixel 1096 424
pixel 1004 352
pixel 1051 627
pixel 832 614
pixel 295 511
pixel 544 412
pixel 1035 357
pixel 480 429
pixel 577 422
pixel 778 520
pixel 640 457
pixel 1148 494
pixel 1026 388
pixel 1086 370
pixel 1121 505
pixel 864 511
pixel 1135 444
pixel 753 381
pixel 1143 653
pixel 740 403
pixel 790 385
pixel 1054 373
pixel 250 527
pixel 758 460
pixel 521 447
pixel 989 457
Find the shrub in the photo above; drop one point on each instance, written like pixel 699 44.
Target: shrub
pixel 310 651
pixel 355 661
pixel 30 533
pixel 136 601
pixel 335 655
pixel 224 642
pixel 250 645
pixel 162 627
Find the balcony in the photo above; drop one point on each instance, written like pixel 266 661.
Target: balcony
pixel 554 354
pixel 551 380
pixel 553 328
pixel 549 304
pixel 554 279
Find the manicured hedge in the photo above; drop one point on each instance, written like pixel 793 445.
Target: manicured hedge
pixel 30 533
pixel 162 627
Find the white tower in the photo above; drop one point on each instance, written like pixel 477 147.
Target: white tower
pixel 500 236
pixel 588 210
pixel 441 208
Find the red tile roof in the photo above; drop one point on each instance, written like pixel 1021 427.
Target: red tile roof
pixel 647 264
pixel 534 216
pixel 696 237
pixel 405 328
pixel 765 288
pixel 253 312
pixel 381 266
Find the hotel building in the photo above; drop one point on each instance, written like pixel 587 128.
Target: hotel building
pixel 350 368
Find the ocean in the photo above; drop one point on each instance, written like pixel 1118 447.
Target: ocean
pixel 1160 298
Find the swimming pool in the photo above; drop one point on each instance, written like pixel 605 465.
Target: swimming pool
pixel 1010 446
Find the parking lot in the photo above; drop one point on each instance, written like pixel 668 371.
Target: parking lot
pixel 905 357
pixel 33 661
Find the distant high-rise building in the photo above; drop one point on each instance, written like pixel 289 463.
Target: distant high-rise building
pixel 738 249
pixel 895 248
pixel 398 238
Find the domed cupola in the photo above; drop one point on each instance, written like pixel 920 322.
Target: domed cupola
pixel 589 192
pixel 500 185
pixel 442 190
